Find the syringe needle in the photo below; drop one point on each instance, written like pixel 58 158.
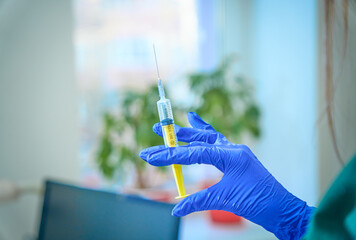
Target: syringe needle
pixel 169 134
pixel 154 50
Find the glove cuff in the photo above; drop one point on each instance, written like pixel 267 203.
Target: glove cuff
pixel 296 228
pixel 306 220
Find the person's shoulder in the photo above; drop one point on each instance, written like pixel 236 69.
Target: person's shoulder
pixel 334 218
pixel 348 174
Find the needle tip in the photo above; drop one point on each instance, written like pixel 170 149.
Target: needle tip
pixel 154 50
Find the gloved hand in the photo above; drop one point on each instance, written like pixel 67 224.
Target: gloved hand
pixel 247 189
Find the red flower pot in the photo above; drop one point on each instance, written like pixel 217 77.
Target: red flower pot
pixel 223 217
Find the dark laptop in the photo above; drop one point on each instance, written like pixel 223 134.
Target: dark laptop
pixel 71 212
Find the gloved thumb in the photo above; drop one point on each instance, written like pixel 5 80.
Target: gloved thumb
pixel 199 201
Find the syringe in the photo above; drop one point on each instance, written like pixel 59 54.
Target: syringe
pixel 169 133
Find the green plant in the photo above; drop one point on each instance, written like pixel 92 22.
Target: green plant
pixel 226 101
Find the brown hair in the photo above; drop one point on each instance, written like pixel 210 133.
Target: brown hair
pixel 329 14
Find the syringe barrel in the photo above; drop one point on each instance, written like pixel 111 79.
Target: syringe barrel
pixel 164 109
pixel 170 140
pixel 167 122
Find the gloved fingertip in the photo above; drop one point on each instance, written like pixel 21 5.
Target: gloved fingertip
pixel 178 212
pixel 197 122
pixel 157 129
pixel 184 207
pixel 192 115
pixel 147 153
pixel 175 214
pixel 194 118
pixel 143 154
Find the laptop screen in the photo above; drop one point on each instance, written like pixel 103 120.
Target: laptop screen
pixel 71 212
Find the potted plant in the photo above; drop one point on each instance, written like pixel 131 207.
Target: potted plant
pixel 126 132
pixel 227 101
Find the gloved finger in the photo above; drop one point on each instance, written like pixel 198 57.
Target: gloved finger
pixel 196 122
pixel 200 201
pixel 143 154
pixel 196 152
pixel 189 134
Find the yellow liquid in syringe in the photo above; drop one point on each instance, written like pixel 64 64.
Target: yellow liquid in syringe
pixel 171 141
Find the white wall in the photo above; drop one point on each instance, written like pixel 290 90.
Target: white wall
pixel 284 50
pixel 38 107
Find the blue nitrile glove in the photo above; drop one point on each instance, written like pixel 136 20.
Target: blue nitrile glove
pixel 247 189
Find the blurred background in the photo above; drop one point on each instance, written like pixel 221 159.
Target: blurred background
pixel 78 98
